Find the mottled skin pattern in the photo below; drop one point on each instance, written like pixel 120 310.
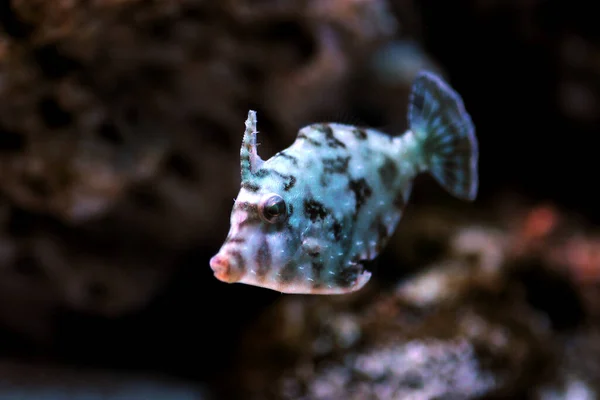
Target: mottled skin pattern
pixel 339 192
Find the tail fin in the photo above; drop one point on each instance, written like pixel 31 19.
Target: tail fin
pixel 445 135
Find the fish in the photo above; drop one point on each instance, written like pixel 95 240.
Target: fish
pixel 306 220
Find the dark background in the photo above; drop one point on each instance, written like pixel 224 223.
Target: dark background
pixel 509 64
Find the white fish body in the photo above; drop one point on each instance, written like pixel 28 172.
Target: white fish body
pixel 305 219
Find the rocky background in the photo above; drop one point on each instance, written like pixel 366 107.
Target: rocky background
pixel 120 126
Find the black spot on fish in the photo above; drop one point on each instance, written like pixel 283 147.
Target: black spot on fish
pixel 235 240
pixel 252 213
pixel 245 163
pixel 360 133
pixel 250 208
pixel 399 202
pixel 317 273
pixel 310 140
pixel 291 158
pixel 324 180
pixel 317 268
pixel 263 259
pixel 332 141
pixel 347 276
pixel 288 272
pixel 290 209
pixel 388 172
pixel 362 191
pixel 289 180
pixel 261 173
pixel 239 263
pixel 314 209
pixel 251 187
pixel 381 231
pixel 241 205
pixel 290 183
pixel 292 240
pixel 337 230
pixel 323 128
pixel 333 165
pixel 314 253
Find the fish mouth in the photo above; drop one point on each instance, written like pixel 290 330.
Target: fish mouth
pixel 222 269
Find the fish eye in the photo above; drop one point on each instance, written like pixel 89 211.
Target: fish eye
pixel 273 208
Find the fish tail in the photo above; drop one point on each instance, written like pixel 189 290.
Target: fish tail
pixel 444 135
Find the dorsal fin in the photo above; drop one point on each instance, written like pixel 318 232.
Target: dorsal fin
pixel 250 161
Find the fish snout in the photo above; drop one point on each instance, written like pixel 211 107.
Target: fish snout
pixel 224 269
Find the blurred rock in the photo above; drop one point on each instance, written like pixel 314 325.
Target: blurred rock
pixel 482 320
pixel 43 382
pixel 119 83
pixel 120 126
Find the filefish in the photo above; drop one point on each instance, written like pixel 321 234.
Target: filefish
pixel 306 220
